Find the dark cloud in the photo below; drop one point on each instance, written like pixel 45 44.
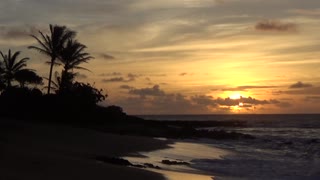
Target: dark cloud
pixel 115 79
pixel 156 100
pixel 185 74
pixel 107 56
pixel 164 104
pixel 111 74
pixel 18 32
pixel 300 84
pixel 204 100
pixel 126 87
pixel 132 77
pixel 244 100
pixel 154 91
pixel 272 25
pixel 244 88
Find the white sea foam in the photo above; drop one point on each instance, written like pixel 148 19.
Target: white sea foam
pixel 285 147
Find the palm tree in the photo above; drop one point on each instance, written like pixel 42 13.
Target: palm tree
pixel 27 76
pixel 2 81
pixel 52 44
pixel 11 65
pixel 71 57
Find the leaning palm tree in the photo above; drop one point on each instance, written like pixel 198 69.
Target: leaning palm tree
pixel 71 57
pixel 11 66
pixel 52 44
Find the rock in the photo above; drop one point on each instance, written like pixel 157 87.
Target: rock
pixel 168 162
pixel 113 160
pixel 149 165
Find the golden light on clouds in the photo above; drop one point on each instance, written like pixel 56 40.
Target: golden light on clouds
pixel 198 53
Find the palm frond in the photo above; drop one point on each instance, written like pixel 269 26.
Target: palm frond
pixel 44 48
pixel 41 51
pixel 82 68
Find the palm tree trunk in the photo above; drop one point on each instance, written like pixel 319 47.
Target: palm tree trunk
pixel 9 83
pixel 50 74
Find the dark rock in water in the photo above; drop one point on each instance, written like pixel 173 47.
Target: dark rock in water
pixel 138 166
pixel 113 160
pixel 168 162
pixel 149 165
pixel 313 141
pixel 288 143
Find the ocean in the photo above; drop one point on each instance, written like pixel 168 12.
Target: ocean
pixel 284 147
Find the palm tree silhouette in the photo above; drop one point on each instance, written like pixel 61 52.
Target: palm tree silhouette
pixel 71 57
pixel 25 76
pixel 52 44
pixel 73 54
pixel 2 81
pixel 11 66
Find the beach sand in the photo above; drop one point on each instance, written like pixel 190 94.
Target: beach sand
pixel 41 151
pixel 48 151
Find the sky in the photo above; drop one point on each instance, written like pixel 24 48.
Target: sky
pixel 184 56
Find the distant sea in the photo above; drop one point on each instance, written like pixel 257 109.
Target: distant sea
pixel 285 146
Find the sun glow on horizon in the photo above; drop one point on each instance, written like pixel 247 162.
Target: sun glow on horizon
pixel 236 95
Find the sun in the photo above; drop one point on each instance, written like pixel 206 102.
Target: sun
pixel 235 95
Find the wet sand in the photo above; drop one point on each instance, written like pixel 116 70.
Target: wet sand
pixel 185 151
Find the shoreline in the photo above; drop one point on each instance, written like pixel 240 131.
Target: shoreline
pixel 181 151
pixel 55 151
pixel 47 151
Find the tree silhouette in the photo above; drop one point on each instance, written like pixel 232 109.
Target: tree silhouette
pixel 71 56
pixel 27 76
pixel 52 44
pixel 11 66
pixel 2 80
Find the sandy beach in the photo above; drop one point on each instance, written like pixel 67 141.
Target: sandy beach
pixel 40 151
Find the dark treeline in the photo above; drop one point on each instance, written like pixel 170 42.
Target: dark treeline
pixel 65 98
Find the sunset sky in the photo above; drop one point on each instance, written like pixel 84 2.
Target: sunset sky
pixel 184 56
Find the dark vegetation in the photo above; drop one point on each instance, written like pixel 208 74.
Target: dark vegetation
pixel 75 103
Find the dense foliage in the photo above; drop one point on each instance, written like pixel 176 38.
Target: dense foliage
pixel 18 84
